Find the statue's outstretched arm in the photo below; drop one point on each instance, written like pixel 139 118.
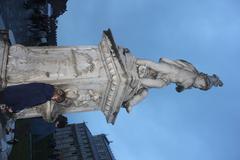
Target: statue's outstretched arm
pixel 153 83
pixel 153 65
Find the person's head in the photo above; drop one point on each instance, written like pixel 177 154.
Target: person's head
pixel 61 121
pixel 58 95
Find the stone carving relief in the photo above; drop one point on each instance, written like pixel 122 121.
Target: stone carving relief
pixel 76 101
pixel 78 56
pixel 76 97
pixel 28 64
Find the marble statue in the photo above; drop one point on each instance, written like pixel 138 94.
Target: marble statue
pixel 158 75
pixel 104 77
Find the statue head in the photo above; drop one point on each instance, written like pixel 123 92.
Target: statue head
pixel 205 82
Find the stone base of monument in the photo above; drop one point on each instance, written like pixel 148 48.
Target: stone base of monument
pixel 94 77
pixel 4 47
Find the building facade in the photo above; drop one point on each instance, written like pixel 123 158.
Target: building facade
pixel 75 142
pixel 33 22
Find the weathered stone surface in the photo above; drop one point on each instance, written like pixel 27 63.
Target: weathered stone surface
pixel 104 77
pixel 91 76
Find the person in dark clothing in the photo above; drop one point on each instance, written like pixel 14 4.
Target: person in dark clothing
pixel 19 97
pixel 22 96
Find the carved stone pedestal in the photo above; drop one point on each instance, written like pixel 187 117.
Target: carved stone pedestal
pixel 92 76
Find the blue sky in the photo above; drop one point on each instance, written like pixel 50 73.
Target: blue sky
pixel 193 125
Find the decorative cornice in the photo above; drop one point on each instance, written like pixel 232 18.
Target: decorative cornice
pixel 116 73
pixel 112 74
